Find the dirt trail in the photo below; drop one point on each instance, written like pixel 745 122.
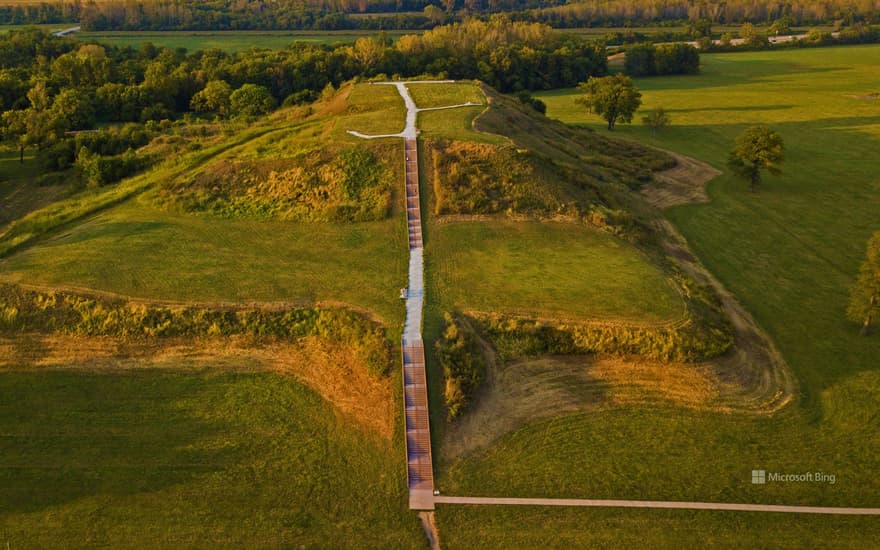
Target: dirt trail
pixel 683 184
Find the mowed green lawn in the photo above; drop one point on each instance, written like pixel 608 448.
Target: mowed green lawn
pixel 547 270
pixel 454 123
pixel 199 458
pixel 139 251
pixel 790 253
pixel 467 527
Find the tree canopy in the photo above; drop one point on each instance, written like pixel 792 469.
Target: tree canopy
pixel 758 148
pixel 614 98
pixel 864 303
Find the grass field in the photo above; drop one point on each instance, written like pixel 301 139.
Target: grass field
pixel 790 254
pixel 165 458
pixel 547 270
pixel 465 527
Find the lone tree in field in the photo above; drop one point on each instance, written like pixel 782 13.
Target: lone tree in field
pixel 758 148
pixel 612 97
pixel 864 301
pixel 656 120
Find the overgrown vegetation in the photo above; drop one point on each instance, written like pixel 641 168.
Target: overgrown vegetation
pixel 464 368
pixel 23 310
pixel 650 60
pixel 703 335
pixel 321 184
pixel 549 171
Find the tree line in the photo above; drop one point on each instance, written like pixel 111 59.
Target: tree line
pixel 50 86
pixel 423 14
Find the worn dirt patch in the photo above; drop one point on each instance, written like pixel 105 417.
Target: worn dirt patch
pixel 333 370
pixel 683 184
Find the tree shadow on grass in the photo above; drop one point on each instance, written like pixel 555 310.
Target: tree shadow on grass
pixel 72 435
pixel 744 108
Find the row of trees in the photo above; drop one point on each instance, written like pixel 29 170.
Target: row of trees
pixel 420 14
pixel 619 13
pixel 50 85
pixel 648 59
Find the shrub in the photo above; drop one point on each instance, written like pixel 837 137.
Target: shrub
pixel 464 369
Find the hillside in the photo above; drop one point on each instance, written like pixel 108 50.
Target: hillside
pixel 275 249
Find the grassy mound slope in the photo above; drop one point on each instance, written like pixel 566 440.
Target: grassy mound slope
pixel 137 239
pixel 168 458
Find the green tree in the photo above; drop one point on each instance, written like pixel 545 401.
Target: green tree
pixel 72 110
pixel 251 100
pixel 614 98
pixel 213 98
pixel 639 60
pixel 751 37
pixel 864 301
pixel 656 119
pixel 758 148
pixel 15 130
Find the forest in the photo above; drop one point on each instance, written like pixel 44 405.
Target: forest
pixel 422 14
pixel 52 88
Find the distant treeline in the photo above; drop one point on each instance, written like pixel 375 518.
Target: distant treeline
pixel 50 86
pixel 422 14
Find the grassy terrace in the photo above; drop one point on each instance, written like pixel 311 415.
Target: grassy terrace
pixel 141 250
pixel 138 251
pixel 547 270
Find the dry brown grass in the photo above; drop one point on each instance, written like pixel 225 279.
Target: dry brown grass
pixel 337 373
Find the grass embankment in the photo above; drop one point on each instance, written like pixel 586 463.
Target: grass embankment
pixel 548 271
pixel 790 254
pixel 514 242
pixel 136 239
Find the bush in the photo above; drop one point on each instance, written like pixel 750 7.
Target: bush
pixel 464 369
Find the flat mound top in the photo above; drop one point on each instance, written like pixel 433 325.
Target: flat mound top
pixel 548 270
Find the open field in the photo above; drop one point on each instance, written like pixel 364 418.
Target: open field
pixel 547 270
pixel 790 254
pixel 204 456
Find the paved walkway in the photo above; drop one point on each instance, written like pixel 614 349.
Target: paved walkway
pixel 657 504
pixel 420 471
